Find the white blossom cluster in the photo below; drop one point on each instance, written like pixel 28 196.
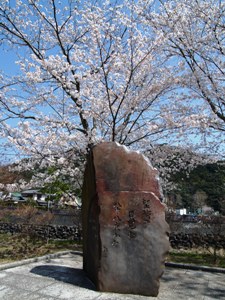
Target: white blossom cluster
pixel 142 73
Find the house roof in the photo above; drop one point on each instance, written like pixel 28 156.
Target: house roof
pixel 31 192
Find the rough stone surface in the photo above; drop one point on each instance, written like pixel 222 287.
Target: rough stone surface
pixel 125 234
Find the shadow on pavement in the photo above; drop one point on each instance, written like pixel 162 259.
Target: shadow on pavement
pixel 218 293
pixel 65 274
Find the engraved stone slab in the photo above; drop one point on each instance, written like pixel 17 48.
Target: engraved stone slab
pixel 125 236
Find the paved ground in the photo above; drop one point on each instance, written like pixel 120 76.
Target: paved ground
pixel 62 278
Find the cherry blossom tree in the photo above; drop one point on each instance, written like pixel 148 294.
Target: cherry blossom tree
pixel 90 71
pixel 194 36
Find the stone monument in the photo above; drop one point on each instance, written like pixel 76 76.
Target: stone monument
pixel 125 235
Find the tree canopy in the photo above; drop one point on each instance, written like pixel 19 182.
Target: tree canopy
pixel 141 73
pixel 194 36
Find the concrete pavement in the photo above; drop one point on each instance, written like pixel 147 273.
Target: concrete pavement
pixel 60 277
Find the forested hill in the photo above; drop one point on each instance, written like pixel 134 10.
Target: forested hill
pixel 209 178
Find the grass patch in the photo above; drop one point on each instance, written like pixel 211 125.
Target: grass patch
pixel 17 247
pixel 196 257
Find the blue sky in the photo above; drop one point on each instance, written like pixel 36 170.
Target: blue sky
pixel 9 68
pixel 8 58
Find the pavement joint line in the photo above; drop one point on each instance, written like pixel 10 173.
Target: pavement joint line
pixel 195 267
pixel 40 289
pixel 48 257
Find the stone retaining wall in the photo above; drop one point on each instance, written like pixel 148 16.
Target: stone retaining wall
pixel 177 240
pixel 183 240
pixel 50 231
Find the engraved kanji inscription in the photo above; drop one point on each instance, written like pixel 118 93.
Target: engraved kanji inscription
pixel 117 222
pixel 147 212
pixel 131 224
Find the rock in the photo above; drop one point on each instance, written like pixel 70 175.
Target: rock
pixel 125 235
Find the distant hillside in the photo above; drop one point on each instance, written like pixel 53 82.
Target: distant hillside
pixel 208 179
